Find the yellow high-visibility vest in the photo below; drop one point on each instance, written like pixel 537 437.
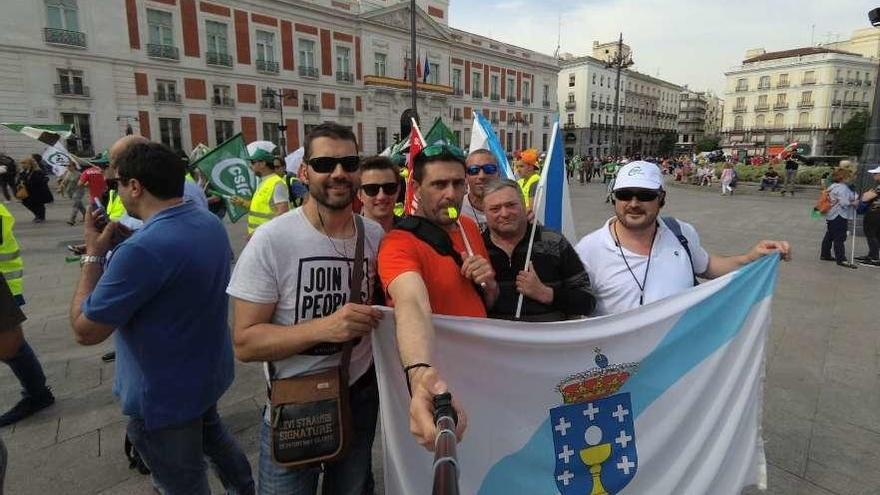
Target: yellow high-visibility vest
pixel 115 208
pixel 11 263
pixel 526 185
pixel 261 204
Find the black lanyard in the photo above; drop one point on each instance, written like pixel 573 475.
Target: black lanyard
pixel 644 283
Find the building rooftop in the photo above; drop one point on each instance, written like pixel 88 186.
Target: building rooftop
pixel 795 52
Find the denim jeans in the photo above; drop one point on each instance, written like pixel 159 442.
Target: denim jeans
pixel 835 236
pixel 871 226
pixel 176 456
pixel 351 475
pixel 790 176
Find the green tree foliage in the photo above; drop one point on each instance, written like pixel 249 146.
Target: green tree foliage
pixel 708 143
pixel 851 136
pixel 666 147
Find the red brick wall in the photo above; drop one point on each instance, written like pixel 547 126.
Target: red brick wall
pixel 264 20
pixel 194 89
pixel 503 86
pixel 242 38
pixel 247 93
pixel 249 129
pixel 305 28
pixel 167 2
pixel 214 9
pixel 144 121
pixel 287 45
pixel 292 134
pixel 467 113
pixel 343 37
pixel 358 104
pixel 140 84
pixel 434 11
pixel 328 101
pixel 360 136
pixel 131 16
pixel 190 22
pixel 467 78
pixel 519 85
pixel 357 58
pixel 485 80
pixel 503 116
pixel 198 129
pixel 326 53
pixel 291 97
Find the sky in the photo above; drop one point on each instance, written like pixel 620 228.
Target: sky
pixel 689 42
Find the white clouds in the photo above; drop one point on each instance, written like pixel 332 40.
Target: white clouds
pixel 690 41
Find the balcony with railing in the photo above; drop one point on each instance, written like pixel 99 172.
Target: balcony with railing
pixel 836 103
pixel 311 108
pixel 511 99
pixel 76 90
pixel 167 97
pixel 764 86
pixel 601 106
pixel 456 117
pixel 457 92
pixel 851 104
pixel 570 105
pixel 269 104
pixel 223 102
pixel 783 84
pixel 494 120
pixel 546 123
pixel 839 80
pixel 476 94
pixel 594 105
pixel 495 97
pixel 346 111
pixel 526 102
pixel 218 59
pixel 344 77
pixel 267 66
pixel 545 103
pixel 805 104
pixel 808 82
pixel 166 52
pixel 762 107
pixel 308 71
pixel 569 126
pixel 64 37
pixel 741 88
pixel 740 109
pixel 780 106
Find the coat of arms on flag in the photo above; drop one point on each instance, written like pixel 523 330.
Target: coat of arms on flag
pixel 593 433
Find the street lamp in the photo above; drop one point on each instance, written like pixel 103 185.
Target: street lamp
pixel 871 150
pixel 282 126
pixel 618 61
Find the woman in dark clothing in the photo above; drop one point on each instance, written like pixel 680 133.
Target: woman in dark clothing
pixel 37 185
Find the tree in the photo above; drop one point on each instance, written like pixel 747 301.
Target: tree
pixel 851 136
pixel 666 146
pixel 708 143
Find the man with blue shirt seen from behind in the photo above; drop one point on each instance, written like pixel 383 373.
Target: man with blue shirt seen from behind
pixel 163 292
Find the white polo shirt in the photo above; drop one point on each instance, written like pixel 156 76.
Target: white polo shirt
pixel 613 285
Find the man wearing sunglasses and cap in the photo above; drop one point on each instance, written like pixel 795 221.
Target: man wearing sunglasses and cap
pixel 481 170
pixel 636 259
pixel 271 197
pixel 434 262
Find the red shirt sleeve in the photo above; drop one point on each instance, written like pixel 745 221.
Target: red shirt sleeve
pixel 397 255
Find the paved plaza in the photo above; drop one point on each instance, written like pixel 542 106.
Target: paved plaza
pixel 822 397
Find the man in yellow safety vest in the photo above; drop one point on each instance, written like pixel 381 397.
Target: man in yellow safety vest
pixel 14 349
pixel 272 197
pixel 527 171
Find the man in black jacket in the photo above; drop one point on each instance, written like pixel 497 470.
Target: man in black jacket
pixel 555 286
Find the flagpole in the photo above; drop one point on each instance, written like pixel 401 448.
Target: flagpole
pixel 538 203
pixel 412 67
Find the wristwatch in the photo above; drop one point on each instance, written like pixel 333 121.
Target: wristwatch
pixel 91 259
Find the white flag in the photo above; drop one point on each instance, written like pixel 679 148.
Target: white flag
pixel 665 399
pixel 57 157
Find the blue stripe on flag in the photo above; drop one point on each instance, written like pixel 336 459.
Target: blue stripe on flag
pixel 554 187
pixel 707 327
pixel 495 145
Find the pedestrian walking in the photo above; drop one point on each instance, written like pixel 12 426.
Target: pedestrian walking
pixel 727 179
pixel 75 190
pixel 33 189
pixel 8 174
pixel 791 168
pixel 843 202
pixel 870 202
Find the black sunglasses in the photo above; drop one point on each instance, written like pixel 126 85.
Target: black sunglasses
pixel 643 195
pixel 389 188
pixel 488 169
pixel 327 164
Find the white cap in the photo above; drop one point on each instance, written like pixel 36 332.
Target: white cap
pixel 261 151
pixel 875 170
pixel 639 174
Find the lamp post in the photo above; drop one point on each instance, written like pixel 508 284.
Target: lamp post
pixel 618 61
pixel 871 150
pixel 282 125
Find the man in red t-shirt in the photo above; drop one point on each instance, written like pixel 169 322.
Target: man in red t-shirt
pixel 449 273
pixel 93 177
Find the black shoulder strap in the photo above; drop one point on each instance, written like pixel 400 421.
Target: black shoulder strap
pixel 675 227
pixel 431 234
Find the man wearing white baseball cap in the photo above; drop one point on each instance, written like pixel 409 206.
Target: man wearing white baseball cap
pixel 636 259
pixel 272 197
pixel 871 221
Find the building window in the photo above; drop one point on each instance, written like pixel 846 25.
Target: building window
pixel 783 80
pixel 594 78
pixel 343 59
pixel 779 121
pixel 571 80
pixel 62 14
pixel 780 98
pixel 216 35
pixel 510 141
pixel 434 76
pixel 477 86
pixel 803 119
pixel 809 77
pixel 310 104
pixel 742 85
pixel 222 95
pixel 223 130
pixel 265 46
pixel 271 132
pixel 169 133
pixel 381 139
pixel 762 100
pixel 527 91
pixel 456 81
pixel 759 121
pixel 807 97
pixel 306 54
pixel 160 28
pixel 81 141
pixel 493 87
pixel 166 91
pixel 570 120
pixel 70 82
pixel 571 98
pixel 764 82
pixel 738 123
pixel 379 60
pixel 546 94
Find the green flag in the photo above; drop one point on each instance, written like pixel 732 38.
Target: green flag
pixel 439 132
pixel 229 174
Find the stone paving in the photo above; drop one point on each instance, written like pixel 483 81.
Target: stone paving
pixel 822 400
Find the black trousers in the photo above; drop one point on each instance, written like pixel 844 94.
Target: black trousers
pixel 871 224
pixel 835 236
pixel 36 207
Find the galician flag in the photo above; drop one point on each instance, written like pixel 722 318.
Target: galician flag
pixel 665 399
pixel 229 174
pixel 552 199
pixel 483 137
pixel 48 134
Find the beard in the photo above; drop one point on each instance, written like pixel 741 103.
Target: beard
pixel 637 218
pixel 330 200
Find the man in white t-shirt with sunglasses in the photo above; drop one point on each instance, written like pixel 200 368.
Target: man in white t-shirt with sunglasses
pixel 637 257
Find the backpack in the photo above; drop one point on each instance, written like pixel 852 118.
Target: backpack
pixel 675 227
pixel 823 204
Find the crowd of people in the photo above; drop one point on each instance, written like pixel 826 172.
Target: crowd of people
pixel 302 291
